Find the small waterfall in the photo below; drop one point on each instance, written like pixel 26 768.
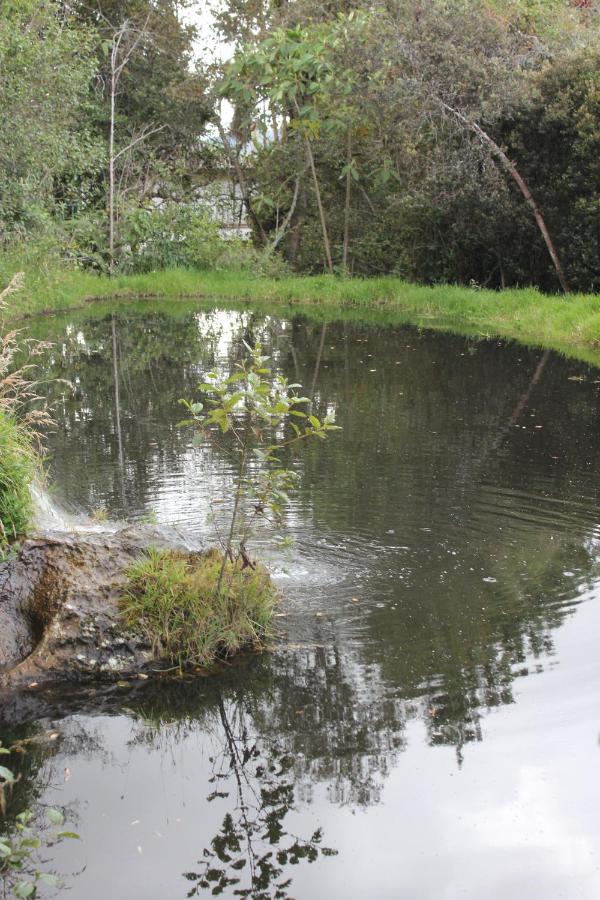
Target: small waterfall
pixel 49 516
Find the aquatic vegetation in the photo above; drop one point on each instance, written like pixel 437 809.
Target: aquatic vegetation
pixel 194 609
pixel 20 875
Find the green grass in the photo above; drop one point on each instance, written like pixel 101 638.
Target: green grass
pixel 18 467
pixel 171 599
pixel 568 324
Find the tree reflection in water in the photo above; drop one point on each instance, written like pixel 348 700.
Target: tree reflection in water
pixel 459 507
pixel 252 849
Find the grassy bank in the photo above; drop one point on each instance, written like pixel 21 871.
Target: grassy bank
pixel 568 324
pixel 18 468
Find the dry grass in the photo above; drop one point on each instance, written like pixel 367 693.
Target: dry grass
pixel 20 420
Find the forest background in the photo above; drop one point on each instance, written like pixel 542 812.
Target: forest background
pixel 384 138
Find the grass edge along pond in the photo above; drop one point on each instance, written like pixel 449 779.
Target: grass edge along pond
pixel 569 324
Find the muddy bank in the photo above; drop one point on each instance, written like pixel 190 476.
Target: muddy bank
pixel 59 607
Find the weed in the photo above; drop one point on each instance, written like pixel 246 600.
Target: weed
pixel 18 468
pixel 172 600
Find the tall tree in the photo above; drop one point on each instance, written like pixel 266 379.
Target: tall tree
pixel 155 105
pixel 47 63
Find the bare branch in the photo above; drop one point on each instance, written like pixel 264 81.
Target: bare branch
pixel 142 137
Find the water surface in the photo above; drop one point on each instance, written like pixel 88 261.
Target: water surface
pixel 428 725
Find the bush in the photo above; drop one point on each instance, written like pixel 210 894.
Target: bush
pixel 242 256
pixel 168 237
pixel 18 466
pixel 173 600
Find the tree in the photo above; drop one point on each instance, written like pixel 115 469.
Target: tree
pixel 405 109
pixel 263 416
pixel 292 72
pixel 556 137
pixel 154 106
pixel 47 65
pixel 124 42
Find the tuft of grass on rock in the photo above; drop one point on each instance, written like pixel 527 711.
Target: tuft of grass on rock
pixel 171 599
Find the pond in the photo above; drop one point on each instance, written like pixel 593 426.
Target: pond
pixel 427 723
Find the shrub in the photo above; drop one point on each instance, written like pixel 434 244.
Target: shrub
pixel 242 256
pixel 173 600
pixel 168 237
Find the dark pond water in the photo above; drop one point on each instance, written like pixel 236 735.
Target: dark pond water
pixel 429 725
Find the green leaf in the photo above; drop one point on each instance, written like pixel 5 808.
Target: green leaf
pixel 32 843
pixel 55 816
pixel 6 774
pixel 5 850
pixel 68 835
pixel 23 889
pixel 314 421
pixel 49 879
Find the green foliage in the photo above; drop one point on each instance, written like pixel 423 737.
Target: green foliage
pixel 45 137
pixel 158 87
pixel 405 189
pixel 555 134
pixel 172 599
pixel 18 460
pixel 194 610
pixel 243 257
pixel 260 416
pixel 168 236
pixel 20 845
pixel 416 194
pixel 18 468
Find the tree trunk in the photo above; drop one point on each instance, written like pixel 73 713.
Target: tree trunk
pixel 111 169
pixel 510 167
pixel 318 362
pixel 281 229
pixel 235 163
pixel 326 243
pixel 347 204
pixel 117 391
